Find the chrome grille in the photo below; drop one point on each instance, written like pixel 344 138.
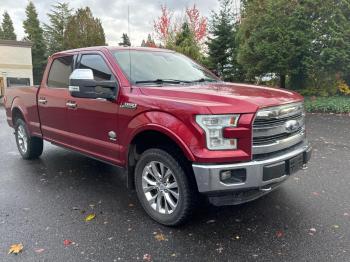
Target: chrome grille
pixel 278 128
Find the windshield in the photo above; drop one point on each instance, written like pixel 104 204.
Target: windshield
pixel 155 68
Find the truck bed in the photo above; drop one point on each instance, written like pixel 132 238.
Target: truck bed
pixel 24 98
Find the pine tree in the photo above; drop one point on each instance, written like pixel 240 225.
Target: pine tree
pixel 8 32
pixel 54 31
pixel 1 33
pixel 34 33
pixel 149 43
pixel 222 44
pixel 83 30
pixel 185 43
pixel 125 40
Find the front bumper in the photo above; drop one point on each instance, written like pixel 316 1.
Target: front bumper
pixel 261 176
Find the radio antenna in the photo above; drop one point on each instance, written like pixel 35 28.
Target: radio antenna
pixel 130 77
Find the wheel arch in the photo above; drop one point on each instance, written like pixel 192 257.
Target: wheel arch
pixel 154 136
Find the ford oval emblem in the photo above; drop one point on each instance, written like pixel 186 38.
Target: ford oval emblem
pixel 291 126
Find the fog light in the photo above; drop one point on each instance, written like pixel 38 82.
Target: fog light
pixel 235 176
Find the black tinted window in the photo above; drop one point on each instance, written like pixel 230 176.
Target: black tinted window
pixel 98 66
pixel 60 71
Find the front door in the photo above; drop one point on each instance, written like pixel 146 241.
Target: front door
pixel 93 122
pixel 52 99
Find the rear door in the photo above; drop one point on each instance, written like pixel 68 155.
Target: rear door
pixel 94 121
pixel 52 98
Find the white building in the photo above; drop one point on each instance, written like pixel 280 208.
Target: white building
pixel 15 64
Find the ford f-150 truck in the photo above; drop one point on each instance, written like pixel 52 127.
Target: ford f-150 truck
pixel 177 130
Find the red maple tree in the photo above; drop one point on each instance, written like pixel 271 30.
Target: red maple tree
pixel 162 25
pixel 197 22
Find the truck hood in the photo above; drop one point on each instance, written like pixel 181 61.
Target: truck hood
pixel 224 97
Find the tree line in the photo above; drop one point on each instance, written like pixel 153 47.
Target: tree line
pixel 299 44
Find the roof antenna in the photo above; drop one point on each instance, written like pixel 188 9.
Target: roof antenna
pixel 130 77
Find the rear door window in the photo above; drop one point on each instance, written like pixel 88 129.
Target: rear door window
pixel 60 70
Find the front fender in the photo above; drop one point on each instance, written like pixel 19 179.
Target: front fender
pixel 185 136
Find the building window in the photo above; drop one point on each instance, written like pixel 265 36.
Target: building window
pixel 16 81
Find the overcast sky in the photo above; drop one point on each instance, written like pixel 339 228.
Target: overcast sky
pixel 113 14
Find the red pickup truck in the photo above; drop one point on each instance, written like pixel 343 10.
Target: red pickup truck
pixel 177 130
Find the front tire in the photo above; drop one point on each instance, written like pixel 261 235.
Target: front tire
pixel 29 147
pixel 164 188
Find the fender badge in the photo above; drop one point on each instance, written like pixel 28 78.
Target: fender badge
pixel 129 106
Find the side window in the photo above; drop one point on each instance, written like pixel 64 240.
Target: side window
pixel 60 70
pixel 98 66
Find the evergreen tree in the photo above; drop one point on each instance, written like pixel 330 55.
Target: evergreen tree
pixel 34 33
pixel 83 30
pixel 185 43
pixel 222 44
pixel 8 32
pixel 1 33
pixel 54 31
pixel 149 43
pixel 125 40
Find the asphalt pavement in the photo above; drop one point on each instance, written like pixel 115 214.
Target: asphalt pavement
pixel 44 203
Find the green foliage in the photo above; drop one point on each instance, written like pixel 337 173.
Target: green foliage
pixel 125 40
pixel 186 43
pixel 335 104
pixel 83 30
pixel 54 31
pixel 306 42
pixel 34 33
pixel 7 32
pixel 329 57
pixel 222 44
pixel 274 38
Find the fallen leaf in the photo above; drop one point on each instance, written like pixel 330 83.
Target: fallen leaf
pixel 67 242
pixel 211 221
pixel 173 255
pixel 90 217
pixel 237 237
pixel 312 231
pixel 335 226
pixel 16 248
pixel 346 214
pixel 160 237
pixel 147 257
pixel 315 193
pixel 39 250
pixel 131 205
pixel 279 234
pixel 220 249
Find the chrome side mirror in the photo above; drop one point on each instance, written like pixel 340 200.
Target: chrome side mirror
pixel 82 84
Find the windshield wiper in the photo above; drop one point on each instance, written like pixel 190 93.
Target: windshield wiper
pixel 203 80
pixel 161 81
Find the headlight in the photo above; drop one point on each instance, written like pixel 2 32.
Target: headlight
pixel 213 126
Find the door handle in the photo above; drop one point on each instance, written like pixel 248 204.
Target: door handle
pixel 42 100
pixel 71 104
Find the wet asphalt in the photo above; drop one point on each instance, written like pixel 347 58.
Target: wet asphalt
pixel 45 202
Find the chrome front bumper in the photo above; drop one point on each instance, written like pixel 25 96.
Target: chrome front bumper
pixel 208 176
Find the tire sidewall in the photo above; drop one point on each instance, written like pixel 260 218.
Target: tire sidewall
pixel 169 161
pixel 20 122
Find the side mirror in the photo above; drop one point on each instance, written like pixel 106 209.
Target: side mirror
pixel 83 85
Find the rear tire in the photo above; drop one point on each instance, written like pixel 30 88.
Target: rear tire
pixel 164 188
pixel 29 147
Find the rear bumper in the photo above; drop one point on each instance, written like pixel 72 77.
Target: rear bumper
pixel 260 176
